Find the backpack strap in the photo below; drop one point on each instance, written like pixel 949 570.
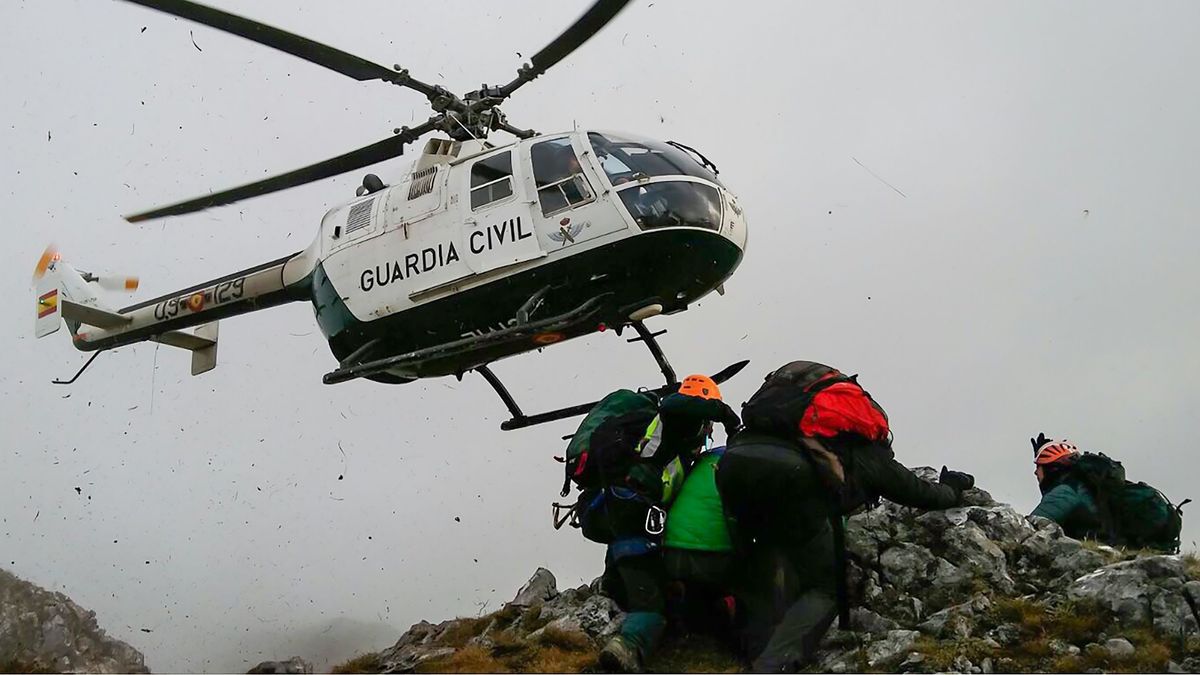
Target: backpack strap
pixel 1104 501
pixel 839 570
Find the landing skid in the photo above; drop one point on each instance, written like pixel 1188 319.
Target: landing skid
pixel 520 420
pixel 352 367
pixel 521 332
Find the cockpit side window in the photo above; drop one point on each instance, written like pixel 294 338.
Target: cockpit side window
pixel 560 181
pixel 491 180
pixel 626 160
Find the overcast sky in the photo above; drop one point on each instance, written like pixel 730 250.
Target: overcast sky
pixel 986 210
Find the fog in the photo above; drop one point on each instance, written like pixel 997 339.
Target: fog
pixel 985 210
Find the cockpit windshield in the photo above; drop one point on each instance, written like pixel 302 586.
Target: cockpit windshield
pixel 673 204
pixel 625 160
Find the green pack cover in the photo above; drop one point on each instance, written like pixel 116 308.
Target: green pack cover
pixel 604 446
pixel 1134 514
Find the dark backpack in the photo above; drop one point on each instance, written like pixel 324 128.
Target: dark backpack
pixel 1132 514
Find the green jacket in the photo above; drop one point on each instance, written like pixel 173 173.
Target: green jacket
pixel 1070 504
pixel 697 518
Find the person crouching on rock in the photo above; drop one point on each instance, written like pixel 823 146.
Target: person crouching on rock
pixel 633 563
pixel 699 555
pixel 1087 494
pixel 815 446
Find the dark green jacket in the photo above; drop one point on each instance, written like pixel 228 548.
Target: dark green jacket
pixel 872 472
pixel 1069 503
pixel 773 485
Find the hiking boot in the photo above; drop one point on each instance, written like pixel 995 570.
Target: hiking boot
pixel 618 656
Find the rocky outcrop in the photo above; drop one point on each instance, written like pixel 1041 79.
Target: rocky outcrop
pixel 539 616
pixel 975 589
pixel 48 632
pixel 293 666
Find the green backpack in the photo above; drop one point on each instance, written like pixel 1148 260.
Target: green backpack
pixel 1133 514
pixel 601 455
pixel 604 447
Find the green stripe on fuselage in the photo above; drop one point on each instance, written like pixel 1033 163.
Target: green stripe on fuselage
pixel 671 266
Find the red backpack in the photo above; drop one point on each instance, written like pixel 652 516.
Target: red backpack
pixel 805 398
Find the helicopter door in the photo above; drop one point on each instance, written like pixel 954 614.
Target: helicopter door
pixel 566 210
pixel 498 230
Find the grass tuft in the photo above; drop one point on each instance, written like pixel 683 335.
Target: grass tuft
pixel 461 632
pixel 1191 563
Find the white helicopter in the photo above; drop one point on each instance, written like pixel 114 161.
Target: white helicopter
pixel 480 251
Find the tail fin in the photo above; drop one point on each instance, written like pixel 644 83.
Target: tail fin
pixel 59 285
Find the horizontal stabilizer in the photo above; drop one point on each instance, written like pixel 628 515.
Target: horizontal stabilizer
pixel 92 316
pixel 183 340
pixel 202 344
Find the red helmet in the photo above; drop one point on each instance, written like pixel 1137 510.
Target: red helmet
pixel 1056 452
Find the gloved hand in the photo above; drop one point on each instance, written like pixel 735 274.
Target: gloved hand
pixel 957 480
pixel 1038 442
pixel 729 419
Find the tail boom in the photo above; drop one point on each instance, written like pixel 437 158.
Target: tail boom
pixel 266 285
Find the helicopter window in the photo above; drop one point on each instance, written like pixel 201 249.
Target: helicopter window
pixel 560 181
pixel 491 179
pixel 624 160
pixel 673 204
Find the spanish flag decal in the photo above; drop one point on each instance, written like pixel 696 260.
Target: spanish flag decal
pixel 48 303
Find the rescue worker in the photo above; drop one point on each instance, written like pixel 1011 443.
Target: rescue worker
pixel 1089 495
pixel 633 564
pixel 815 447
pixel 698 553
pixel 1065 498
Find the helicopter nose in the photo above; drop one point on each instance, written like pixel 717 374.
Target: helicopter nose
pixel 734 227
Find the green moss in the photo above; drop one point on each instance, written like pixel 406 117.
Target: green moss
pixel 940 654
pixel 694 654
pixel 458 634
pixel 532 619
pixel 15 666
pixel 367 663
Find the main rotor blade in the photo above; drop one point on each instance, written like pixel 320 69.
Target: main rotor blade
pixel 355 159
pixel 585 27
pixel 309 50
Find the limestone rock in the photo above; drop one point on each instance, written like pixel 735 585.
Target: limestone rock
pixel 889 649
pixel 1119 648
pixel 1138 592
pixel 39 628
pixel 293 666
pixel 541 586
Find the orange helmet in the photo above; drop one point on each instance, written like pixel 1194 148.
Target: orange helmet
pixel 1055 452
pixel 700 386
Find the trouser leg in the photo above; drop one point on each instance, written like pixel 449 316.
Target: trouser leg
pixel 793 642
pixel 701 582
pixel 642 581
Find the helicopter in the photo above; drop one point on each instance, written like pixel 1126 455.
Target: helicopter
pixel 479 252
